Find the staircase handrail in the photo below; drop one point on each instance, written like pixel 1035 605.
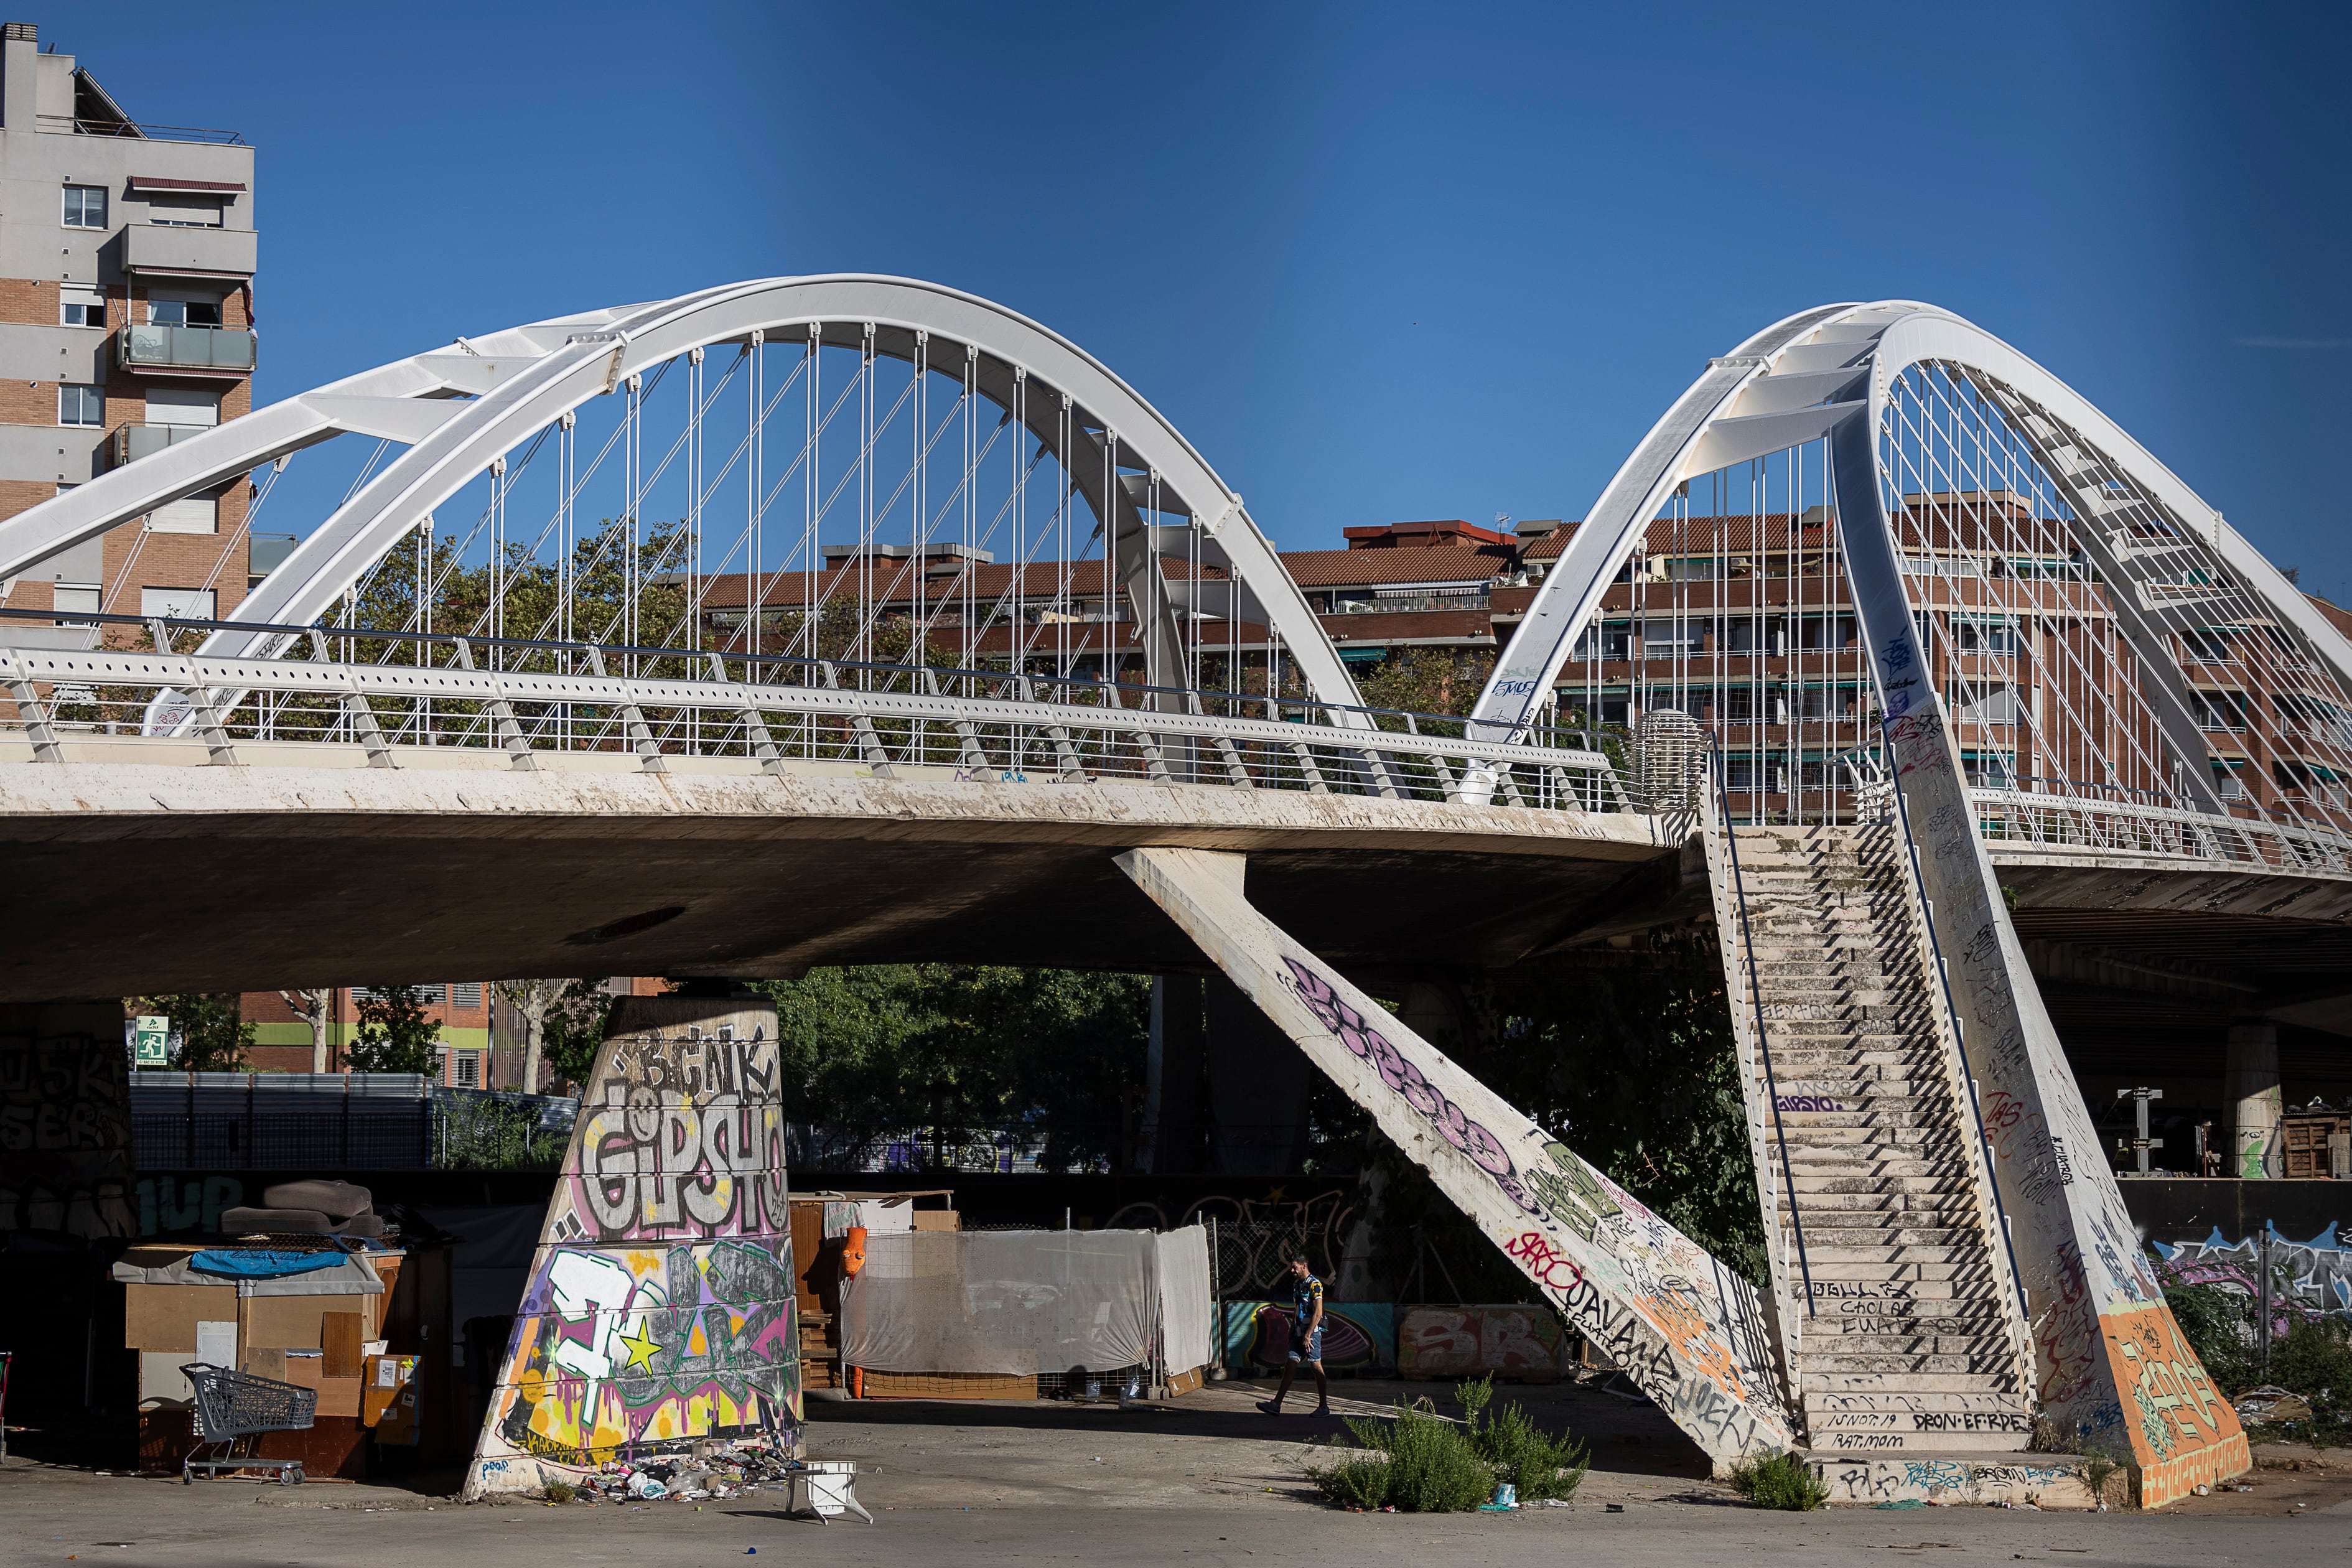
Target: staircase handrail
pixel 1967 1080
pixel 1756 1003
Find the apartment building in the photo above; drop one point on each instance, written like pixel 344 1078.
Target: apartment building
pixel 481 1038
pixel 127 257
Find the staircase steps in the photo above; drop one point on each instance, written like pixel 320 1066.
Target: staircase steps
pixel 1908 1340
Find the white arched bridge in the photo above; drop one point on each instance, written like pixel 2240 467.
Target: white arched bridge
pixel 851 618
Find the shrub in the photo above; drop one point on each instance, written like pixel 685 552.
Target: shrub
pixel 1539 1466
pixel 2315 1360
pixel 1416 1463
pixel 558 1491
pixel 1778 1480
pixel 2222 1325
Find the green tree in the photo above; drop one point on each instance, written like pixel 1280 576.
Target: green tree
pixel 573 1029
pixel 394 1034
pixel 213 1034
pixel 951 1053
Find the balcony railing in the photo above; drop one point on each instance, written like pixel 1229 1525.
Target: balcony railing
pixel 140 131
pixel 155 345
pixel 131 442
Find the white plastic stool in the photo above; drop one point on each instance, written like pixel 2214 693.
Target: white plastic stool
pixel 825 1488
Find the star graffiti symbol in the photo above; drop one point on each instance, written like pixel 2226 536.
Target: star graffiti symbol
pixel 642 1346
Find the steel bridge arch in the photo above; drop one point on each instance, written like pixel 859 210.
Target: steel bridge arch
pixel 459 409
pixel 1829 371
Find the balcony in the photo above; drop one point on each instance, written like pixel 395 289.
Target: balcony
pixel 131 442
pixel 203 351
pixel 162 250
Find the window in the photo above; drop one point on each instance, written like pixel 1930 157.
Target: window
pixel 466 994
pixel 2219 710
pixel 79 305
pixel 192 603
pixel 78 404
pixel 189 514
pixel 85 206
pixel 1977 637
pixel 183 211
pixel 1664 639
pixel 182 406
pixel 70 598
pixel 1604 642
pixel 470 1067
pixel 2208 645
pixel 184 313
pixel 1738 705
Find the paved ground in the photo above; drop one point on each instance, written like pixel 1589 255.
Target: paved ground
pixel 1206 1480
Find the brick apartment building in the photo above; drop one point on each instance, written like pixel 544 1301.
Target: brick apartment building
pixel 127 257
pixel 481 1036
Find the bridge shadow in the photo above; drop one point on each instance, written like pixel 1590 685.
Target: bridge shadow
pixel 1625 1436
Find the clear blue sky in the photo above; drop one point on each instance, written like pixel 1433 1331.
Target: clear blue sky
pixel 1378 261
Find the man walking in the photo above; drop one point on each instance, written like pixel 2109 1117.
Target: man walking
pixel 1307 1339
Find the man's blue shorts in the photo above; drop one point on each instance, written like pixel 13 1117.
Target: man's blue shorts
pixel 1314 1351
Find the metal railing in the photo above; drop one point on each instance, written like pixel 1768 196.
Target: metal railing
pixel 524 702
pixel 145 345
pixel 129 443
pixel 2013 817
pixel 138 130
pixel 1738 893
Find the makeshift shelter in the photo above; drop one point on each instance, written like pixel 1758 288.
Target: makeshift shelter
pixel 1017 1313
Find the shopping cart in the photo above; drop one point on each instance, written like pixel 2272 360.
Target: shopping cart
pixel 234 1407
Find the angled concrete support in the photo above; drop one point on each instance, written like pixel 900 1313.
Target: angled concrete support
pixel 2113 1369
pixel 1687 1328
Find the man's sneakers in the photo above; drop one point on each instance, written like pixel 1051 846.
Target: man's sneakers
pixel 1271 1406
pixel 1324 1410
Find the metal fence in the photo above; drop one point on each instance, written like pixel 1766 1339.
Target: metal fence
pixel 281 1121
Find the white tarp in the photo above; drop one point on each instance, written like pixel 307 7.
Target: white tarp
pixel 1184 1306
pixel 1022 1301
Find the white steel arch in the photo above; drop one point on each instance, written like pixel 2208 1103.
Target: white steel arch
pixel 1831 370
pixel 460 410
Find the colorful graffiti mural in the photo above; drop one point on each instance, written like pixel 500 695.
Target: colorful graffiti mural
pixel 65 1125
pixel 2314 1276
pixel 1356 1334
pixel 660 1311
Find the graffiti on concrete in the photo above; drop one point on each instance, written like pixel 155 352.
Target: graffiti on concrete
pixel 660 1311
pixel 1256 1238
pixel 2089 1288
pixel 65 1137
pixel 2314 1276
pixel 1687 1330
pixel 1356 1334
pixel 1513 1342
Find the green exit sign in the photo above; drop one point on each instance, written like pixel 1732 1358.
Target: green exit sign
pixel 151 1041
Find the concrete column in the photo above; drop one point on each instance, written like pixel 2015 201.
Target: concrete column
pixel 1257 1088
pixel 1171 1079
pixel 2251 1084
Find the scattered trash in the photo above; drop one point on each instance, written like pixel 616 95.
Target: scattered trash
pixel 1613 1508
pixel 751 1551
pixel 2202 1490
pixel 1507 1498
pixel 2272 1403
pixel 1904 1502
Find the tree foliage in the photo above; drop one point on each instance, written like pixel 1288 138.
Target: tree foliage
pixel 213 1034
pixel 946 1055
pixel 394 1034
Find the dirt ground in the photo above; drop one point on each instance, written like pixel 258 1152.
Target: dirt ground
pixel 1203 1479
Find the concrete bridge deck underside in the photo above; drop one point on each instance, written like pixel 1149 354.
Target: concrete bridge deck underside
pixel 125 876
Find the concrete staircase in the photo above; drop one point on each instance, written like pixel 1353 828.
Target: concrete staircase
pixel 1899 1316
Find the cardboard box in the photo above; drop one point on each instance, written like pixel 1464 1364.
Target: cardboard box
pixel 306 1369
pixel 263 1361
pixel 164 1317
pixel 938 1219
pixel 338 1396
pixel 288 1322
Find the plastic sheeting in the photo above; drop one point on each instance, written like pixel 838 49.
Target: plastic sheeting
pixel 1025 1302
pixel 1185 1308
